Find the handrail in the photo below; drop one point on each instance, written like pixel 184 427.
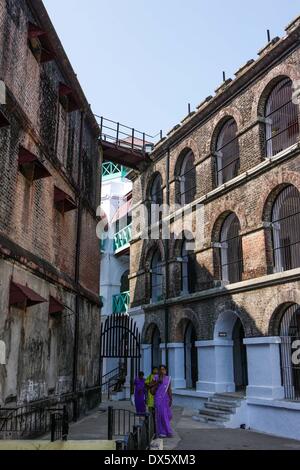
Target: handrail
pixel 137 430
pixel 121 302
pixel 123 237
pixel 125 137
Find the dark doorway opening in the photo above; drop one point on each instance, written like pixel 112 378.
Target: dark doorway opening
pixel 239 357
pixel 191 357
pixel 155 349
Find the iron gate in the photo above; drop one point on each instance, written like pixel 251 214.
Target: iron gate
pixel 290 366
pixel 120 339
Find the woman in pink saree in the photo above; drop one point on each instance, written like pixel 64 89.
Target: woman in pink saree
pixel 161 388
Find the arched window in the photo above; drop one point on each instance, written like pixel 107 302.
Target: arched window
pixel 227 153
pixel 281 114
pixel 156 199
pixel 290 343
pixel 186 187
pixel 188 271
pixel 286 229
pixel 230 254
pixel 156 277
pixel 125 282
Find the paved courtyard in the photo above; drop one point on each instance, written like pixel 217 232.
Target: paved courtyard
pixel 188 434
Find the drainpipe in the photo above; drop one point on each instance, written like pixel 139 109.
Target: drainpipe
pixel 77 268
pixel 167 246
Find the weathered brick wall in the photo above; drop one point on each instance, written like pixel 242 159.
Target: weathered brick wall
pixel 38 243
pixel 247 199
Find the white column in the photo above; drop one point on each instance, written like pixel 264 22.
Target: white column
pixel 176 364
pixel 146 359
pixel 215 366
pixel 264 375
pixel 162 347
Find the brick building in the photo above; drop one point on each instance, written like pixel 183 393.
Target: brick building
pixel 50 189
pixel 221 304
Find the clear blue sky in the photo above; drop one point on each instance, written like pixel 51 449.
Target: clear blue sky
pixel 142 61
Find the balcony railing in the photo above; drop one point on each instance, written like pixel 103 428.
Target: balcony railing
pixel 113 170
pixel 122 239
pixel 121 302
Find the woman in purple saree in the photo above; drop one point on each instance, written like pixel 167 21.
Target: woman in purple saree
pixel 140 394
pixel 161 386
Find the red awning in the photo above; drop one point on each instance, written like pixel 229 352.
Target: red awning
pixel 30 166
pixel 40 44
pixel 67 92
pixel 34 31
pixel 23 295
pixel 55 306
pixel 63 202
pixel 122 211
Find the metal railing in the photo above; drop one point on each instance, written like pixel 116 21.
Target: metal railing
pixel 136 430
pixel 33 421
pixel 110 380
pixel 59 421
pixel 123 238
pixel 121 302
pixel 110 169
pixel 125 137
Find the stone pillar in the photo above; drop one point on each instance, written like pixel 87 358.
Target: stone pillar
pixel 264 374
pixel 215 366
pixel 176 364
pixel 146 359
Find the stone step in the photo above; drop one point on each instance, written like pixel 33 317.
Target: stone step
pixel 220 406
pixel 224 415
pixel 224 401
pixel 230 396
pixel 210 419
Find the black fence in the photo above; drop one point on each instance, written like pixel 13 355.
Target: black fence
pixel 59 421
pixel 33 421
pixel 131 431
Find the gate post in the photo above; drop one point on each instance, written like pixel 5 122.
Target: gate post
pixel 53 426
pixel 110 423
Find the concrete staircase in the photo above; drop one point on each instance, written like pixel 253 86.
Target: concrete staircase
pixel 219 409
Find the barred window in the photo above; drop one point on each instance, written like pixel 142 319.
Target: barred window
pixel 156 278
pixel 156 200
pixel 281 114
pixel 188 274
pixel 285 229
pixel 227 153
pixel 230 253
pixel 186 189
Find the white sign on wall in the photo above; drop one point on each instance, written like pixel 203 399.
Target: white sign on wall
pixel 2 353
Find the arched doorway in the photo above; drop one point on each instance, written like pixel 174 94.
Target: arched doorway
pixel 155 348
pixel 239 356
pixel 191 356
pixel 229 334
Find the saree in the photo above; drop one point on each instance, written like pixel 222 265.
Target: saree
pixel 139 395
pixel 163 413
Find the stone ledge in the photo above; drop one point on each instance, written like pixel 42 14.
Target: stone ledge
pixel 285 404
